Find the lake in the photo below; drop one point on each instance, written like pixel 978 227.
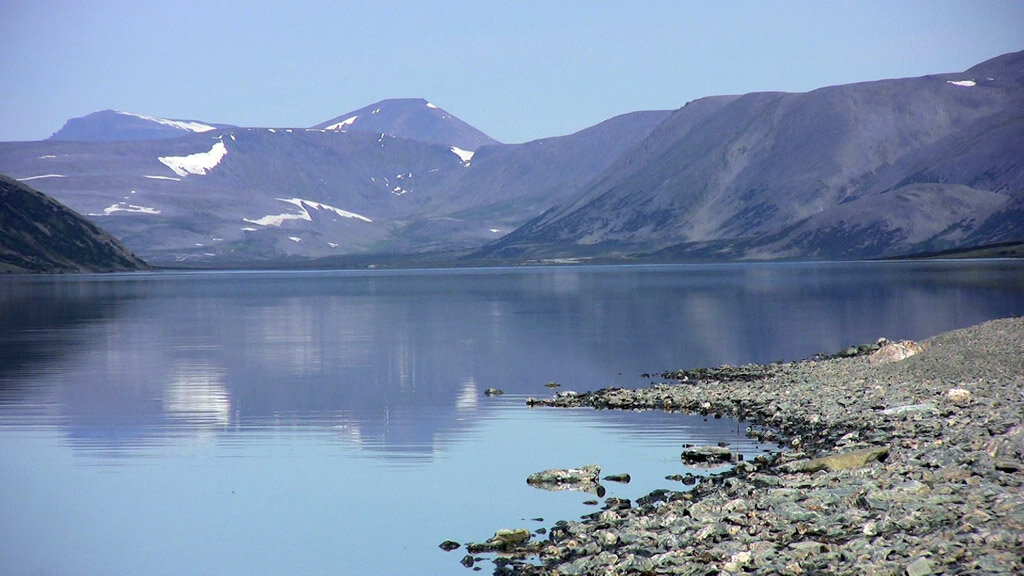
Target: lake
pixel 335 422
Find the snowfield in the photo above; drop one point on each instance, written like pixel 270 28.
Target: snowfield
pixel 41 176
pixel 199 163
pixel 304 206
pixel 128 208
pixel 464 155
pixel 342 124
pixel 189 126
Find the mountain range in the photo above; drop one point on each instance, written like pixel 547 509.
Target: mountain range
pixel 866 170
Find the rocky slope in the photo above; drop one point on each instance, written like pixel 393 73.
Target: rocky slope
pixel 38 234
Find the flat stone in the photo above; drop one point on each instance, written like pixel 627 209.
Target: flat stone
pixel 920 567
pixel 844 461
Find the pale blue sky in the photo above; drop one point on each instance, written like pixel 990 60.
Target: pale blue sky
pixel 518 70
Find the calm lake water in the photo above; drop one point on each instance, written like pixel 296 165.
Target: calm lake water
pixel 335 422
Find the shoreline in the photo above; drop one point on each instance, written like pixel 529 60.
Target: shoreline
pixel 910 467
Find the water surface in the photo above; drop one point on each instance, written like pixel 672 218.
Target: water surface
pixel 335 422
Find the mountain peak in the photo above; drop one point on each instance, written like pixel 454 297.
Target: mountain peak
pixel 413 119
pixel 116 125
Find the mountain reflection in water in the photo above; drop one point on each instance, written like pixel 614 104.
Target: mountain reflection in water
pixel 253 403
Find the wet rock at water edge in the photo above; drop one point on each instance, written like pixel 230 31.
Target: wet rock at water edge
pixel 586 474
pixel 449 545
pixel 493 392
pixel 621 478
pixel 707 455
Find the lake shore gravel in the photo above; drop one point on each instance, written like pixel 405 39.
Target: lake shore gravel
pixel 913 466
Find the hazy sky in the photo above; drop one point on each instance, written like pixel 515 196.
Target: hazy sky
pixel 518 70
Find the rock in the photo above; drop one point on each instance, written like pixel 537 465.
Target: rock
pixel 959 396
pixel 468 560
pixel 909 409
pixel 449 545
pixel 584 479
pixel 587 473
pixel 552 384
pixel 507 536
pixel 493 392
pixel 894 352
pixel 623 478
pixel 709 455
pixel 1008 444
pixel 920 567
pixel 844 461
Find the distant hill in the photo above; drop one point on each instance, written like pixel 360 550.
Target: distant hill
pixel 412 118
pixel 113 126
pixel 38 234
pixel 855 171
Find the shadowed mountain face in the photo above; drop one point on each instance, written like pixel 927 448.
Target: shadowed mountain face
pixel 38 234
pixel 861 170
pixel 875 169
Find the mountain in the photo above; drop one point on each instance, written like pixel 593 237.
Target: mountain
pixel 271 196
pixel 862 170
pixel 411 118
pixel 504 186
pixel 38 234
pixel 113 126
pixel 867 170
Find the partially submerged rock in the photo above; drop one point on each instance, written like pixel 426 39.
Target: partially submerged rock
pixel 707 455
pixel 584 479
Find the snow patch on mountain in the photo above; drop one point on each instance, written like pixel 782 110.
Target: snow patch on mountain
pixel 199 163
pixel 128 208
pixel 304 207
pixel 342 124
pixel 431 105
pixel 41 176
pixel 464 155
pixel 179 124
pixel 172 178
pixel 967 83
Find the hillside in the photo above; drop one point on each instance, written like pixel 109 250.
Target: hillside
pixel 38 234
pixel 861 170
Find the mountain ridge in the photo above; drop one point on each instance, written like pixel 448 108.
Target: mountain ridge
pixel 761 163
pixel 864 170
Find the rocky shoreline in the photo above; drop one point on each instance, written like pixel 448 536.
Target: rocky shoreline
pixel 912 465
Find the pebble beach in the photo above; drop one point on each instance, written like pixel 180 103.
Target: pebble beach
pixel 897 458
